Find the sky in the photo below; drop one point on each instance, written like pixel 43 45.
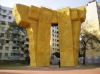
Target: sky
pixel 53 4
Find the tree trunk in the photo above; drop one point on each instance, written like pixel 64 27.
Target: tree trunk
pixel 84 57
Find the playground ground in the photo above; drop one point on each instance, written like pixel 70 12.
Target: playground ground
pixel 81 69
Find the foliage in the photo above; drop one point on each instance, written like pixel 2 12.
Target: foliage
pixel 89 39
pixel 57 54
pixel 17 33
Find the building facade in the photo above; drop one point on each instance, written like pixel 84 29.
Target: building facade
pixel 93 14
pixel 54 41
pixel 54 44
pixel 93 24
pixel 12 40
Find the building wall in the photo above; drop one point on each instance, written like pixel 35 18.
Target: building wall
pixel 54 41
pixel 98 9
pixel 92 14
pixel 7 52
pixel 6 15
pixel 93 19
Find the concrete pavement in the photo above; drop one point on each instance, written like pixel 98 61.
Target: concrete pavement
pixel 52 71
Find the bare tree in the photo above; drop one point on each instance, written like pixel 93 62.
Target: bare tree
pixel 87 38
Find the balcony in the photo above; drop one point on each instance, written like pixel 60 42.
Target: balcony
pixel 15 45
pixel 16 32
pixel 2 23
pixel 16 39
pixel 15 51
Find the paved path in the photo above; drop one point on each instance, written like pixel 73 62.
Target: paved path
pixel 48 71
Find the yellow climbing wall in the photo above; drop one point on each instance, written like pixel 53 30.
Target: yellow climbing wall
pixel 69 24
pixel 43 47
pixel 65 37
pixel 37 22
pixel 32 33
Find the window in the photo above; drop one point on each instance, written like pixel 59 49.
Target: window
pixel 2 22
pixel 15 54
pixel 22 42
pixel 2 35
pixel 22 48
pixel 17 47
pixel 4 16
pixel 57 44
pixel 2 41
pixel 18 41
pixel 57 40
pixel 53 44
pixel 0 55
pixel 27 45
pixel 6 54
pixel 27 39
pixel 4 11
pixel 1 47
pixel 10 12
pixel 9 17
pixel 2 28
pixel 52 30
pixel 7 41
pixel 22 55
pixel 53 49
pixel 14 41
pixel 10 23
pixel 13 47
pixel 53 34
pixel 8 35
pixel 57 49
pixel 6 48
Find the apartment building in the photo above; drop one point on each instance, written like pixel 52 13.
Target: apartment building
pixel 93 19
pixel 54 41
pixel 13 42
pixel 93 14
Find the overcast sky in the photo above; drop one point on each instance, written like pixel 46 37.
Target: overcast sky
pixel 54 4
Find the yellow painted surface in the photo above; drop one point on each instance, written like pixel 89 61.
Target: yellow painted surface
pixel 32 34
pixel 54 17
pixel 38 23
pixel 20 13
pixel 82 13
pixel 76 27
pixel 65 37
pixel 34 13
pixel 74 14
pixel 43 41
